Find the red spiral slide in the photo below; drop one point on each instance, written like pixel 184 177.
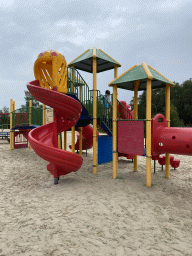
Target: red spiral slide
pixel 44 139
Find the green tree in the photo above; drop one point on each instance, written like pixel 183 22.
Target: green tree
pixel 4 119
pixel 157 103
pixel 29 97
pixel 174 116
pixel 4 110
pixel 181 102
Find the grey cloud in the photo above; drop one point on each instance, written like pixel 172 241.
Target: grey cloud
pixel 158 33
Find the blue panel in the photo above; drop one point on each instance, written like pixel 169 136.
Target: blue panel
pixel 103 123
pixel 84 119
pixel 25 127
pixel 104 149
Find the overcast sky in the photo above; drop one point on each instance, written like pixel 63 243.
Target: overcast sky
pixel 158 33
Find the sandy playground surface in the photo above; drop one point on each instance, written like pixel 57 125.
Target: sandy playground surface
pixel 88 214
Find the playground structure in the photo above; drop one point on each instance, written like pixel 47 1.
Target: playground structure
pixel 50 69
pixel 22 121
pixel 71 100
pixel 160 138
pixel 4 126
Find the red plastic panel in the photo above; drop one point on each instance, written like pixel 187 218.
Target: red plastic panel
pixel 21 139
pixel 131 137
pixel 21 145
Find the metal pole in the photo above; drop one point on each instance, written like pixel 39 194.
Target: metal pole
pixel 30 110
pixel 94 68
pixel 80 128
pixel 148 133
pixel 167 116
pixel 115 153
pixel 11 124
pixel 136 86
pixel 65 140
pixel 73 128
pixel 59 141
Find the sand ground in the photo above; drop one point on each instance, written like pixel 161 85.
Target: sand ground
pixel 88 214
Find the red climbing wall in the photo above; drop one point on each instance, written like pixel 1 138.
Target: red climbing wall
pixel 131 137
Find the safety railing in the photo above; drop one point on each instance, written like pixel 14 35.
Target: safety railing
pixel 4 126
pixel 105 111
pixel 76 85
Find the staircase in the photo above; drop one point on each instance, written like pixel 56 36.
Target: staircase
pixel 75 82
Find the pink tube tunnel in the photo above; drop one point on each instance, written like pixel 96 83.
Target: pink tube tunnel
pixel 173 140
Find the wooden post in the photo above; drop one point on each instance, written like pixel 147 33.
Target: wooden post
pixel 167 116
pixel 115 153
pixel 94 68
pixel 148 133
pixel 136 86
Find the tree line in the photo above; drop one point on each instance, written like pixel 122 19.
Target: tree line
pixel 5 119
pixel 180 106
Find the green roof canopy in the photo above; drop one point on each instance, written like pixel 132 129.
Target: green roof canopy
pixel 142 73
pixel 84 61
